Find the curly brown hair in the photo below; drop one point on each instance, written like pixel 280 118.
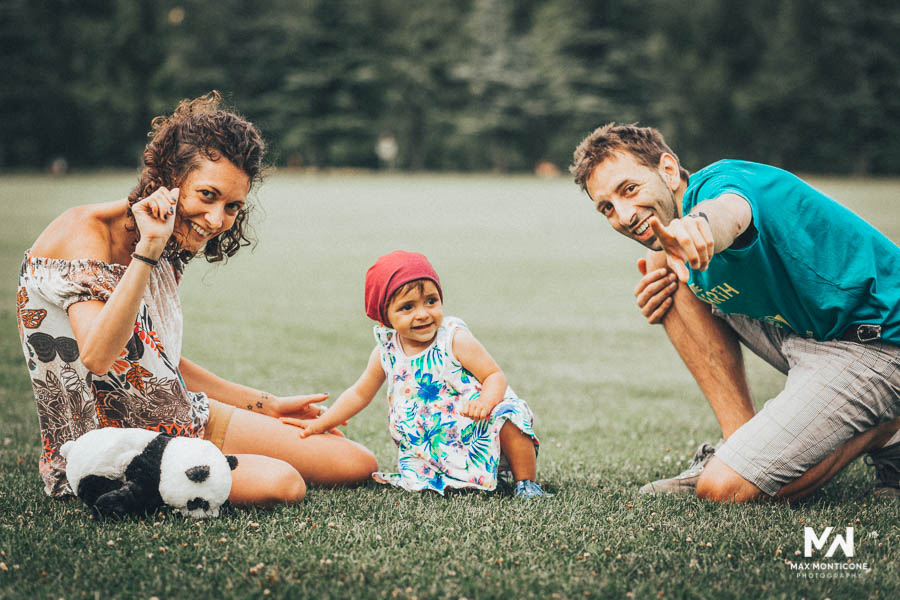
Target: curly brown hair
pixel 200 128
pixel 646 144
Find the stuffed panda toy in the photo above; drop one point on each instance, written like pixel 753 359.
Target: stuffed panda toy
pixel 119 471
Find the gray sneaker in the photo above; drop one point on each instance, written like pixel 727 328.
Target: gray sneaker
pixel 887 471
pixel 686 481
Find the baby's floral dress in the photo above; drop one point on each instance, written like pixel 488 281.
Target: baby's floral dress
pixel 437 447
pixel 143 388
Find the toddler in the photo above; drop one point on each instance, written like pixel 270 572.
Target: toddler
pixel 451 413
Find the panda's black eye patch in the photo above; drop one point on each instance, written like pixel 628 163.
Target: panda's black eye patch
pixel 198 474
pixel 197 503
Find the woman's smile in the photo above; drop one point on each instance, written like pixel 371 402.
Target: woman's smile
pixel 201 232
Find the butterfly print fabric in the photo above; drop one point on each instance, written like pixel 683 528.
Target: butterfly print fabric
pixel 142 389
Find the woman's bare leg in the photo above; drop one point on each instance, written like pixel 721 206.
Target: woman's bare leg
pixel 321 459
pixel 264 481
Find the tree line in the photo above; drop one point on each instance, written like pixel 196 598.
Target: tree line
pixel 810 85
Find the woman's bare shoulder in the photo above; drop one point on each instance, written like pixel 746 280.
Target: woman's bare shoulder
pixel 81 232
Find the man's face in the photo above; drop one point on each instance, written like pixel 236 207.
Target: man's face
pixel 628 193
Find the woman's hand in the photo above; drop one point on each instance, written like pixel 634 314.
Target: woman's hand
pixel 154 217
pixel 654 292
pixel 302 406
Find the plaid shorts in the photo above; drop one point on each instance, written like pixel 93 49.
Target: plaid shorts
pixel 834 391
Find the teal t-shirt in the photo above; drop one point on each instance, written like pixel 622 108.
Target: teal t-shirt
pixel 813 266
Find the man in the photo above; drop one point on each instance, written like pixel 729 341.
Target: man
pixel 773 263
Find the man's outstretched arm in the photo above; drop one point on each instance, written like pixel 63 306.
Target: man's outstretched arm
pixel 711 227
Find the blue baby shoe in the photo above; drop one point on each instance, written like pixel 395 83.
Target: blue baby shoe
pixel 529 489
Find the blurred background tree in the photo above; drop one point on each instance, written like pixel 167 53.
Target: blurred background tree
pixel 503 85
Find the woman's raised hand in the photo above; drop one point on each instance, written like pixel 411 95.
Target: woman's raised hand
pixel 154 217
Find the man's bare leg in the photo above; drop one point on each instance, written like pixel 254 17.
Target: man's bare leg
pixel 720 482
pixel 712 353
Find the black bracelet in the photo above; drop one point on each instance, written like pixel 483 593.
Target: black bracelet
pixel 699 214
pixel 145 259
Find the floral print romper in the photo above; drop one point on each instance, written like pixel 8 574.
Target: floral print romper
pixel 438 448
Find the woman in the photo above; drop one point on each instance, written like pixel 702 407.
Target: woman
pixel 100 319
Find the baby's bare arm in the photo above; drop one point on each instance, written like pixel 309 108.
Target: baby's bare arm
pixel 475 358
pixel 349 403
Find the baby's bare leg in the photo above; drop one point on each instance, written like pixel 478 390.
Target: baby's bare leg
pixel 519 451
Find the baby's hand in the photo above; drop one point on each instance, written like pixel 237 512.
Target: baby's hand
pixel 309 427
pixel 477 409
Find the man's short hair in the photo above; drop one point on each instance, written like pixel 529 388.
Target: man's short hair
pixel 646 144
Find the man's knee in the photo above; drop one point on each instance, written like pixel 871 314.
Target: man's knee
pixel 721 483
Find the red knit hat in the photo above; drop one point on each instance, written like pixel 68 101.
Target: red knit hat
pixel 390 273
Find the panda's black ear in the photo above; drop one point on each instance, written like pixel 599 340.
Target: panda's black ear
pixel 232 461
pixel 197 474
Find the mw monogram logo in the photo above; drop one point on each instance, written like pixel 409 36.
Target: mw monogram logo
pixel 810 540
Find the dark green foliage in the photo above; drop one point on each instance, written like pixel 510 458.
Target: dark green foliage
pixel 810 85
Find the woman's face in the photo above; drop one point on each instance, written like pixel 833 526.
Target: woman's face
pixel 208 202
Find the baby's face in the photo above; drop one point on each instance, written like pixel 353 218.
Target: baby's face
pixel 416 315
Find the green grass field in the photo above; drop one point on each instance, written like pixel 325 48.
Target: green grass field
pixel 546 285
